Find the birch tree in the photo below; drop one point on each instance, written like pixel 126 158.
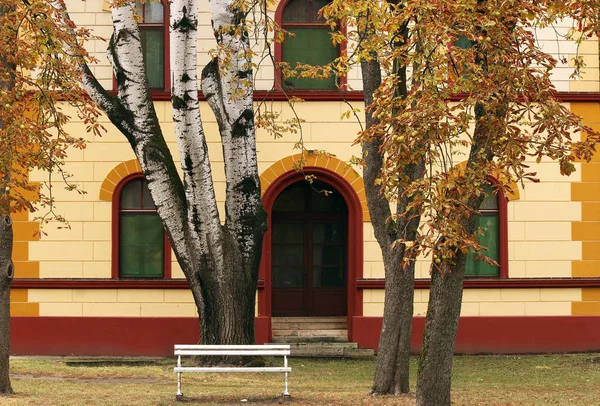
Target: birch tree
pixel 39 66
pixel 418 131
pixel 220 261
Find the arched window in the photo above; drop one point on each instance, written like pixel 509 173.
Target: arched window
pixel 154 23
pixel 140 246
pixel 493 221
pixel 311 43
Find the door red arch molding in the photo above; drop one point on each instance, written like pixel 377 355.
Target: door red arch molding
pixel 355 239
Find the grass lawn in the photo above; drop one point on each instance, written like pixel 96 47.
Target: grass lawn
pixel 478 380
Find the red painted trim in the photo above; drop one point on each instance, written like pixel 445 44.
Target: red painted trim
pixel 493 283
pixel 355 236
pixel 116 200
pixel 502 202
pixel 501 335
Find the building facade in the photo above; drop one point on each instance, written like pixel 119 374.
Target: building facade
pixel 110 285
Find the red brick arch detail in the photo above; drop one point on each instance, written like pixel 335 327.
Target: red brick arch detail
pixel 355 238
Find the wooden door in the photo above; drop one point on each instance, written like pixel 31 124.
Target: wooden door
pixel 309 252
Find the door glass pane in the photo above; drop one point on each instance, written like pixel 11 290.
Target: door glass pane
pixel 141 245
pixel 311 46
pixel 288 277
pixel 291 199
pixel 288 233
pixel 328 277
pixel 328 254
pixel 327 233
pixel 153 12
pixel 489 240
pixel 153 44
pixel 333 201
pixel 131 195
pixel 288 254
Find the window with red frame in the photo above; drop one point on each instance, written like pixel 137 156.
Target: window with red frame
pixel 311 43
pixel 154 23
pixel 490 220
pixel 140 245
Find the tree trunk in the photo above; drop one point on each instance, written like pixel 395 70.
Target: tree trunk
pixel 434 376
pixel 6 276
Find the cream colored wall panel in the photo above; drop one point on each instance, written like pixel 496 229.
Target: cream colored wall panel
pixel 547 191
pixel 178 296
pixel 482 295
pixel 83 19
pixel 345 132
pixel 469 309
pixel 111 309
pixel 548 231
pixel 550 172
pixel 548 250
pixel 102 251
pixel 548 269
pixel 75 6
pixel 548 309
pixel 168 309
pixel 315 112
pixel 547 211
pixel 103 18
pixel 367 295
pixel 516 230
pixel 75 211
pixel 502 309
pixel 378 296
pixel 561 295
pixel 61 269
pixel 176 272
pixel 95 295
pixel 372 251
pixel 377 270
pixel 420 309
pixel 97 269
pixel 425 295
pixel 520 295
pixel 367 270
pixel 140 295
pixel 112 152
pixel 61 309
pixel 373 309
pixel 97 231
pixel 102 211
pixel 60 194
pixel 517 269
pixel 50 295
pixel 51 250
pixel 59 232
pixel 368 233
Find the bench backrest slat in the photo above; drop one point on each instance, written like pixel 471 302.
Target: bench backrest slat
pixel 230 347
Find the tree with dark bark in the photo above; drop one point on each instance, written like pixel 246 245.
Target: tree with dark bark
pixel 39 59
pixel 220 261
pixel 479 88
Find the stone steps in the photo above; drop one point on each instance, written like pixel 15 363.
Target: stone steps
pixel 329 349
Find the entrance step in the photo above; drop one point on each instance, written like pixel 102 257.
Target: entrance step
pixel 309 329
pixel 329 349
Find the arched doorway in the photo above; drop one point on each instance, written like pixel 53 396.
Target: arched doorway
pixel 309 251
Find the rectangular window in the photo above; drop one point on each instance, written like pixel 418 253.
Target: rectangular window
pixel 141 246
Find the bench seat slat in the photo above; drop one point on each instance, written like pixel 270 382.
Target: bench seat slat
pixel 230 347
pixel 232 369
pixel 232 352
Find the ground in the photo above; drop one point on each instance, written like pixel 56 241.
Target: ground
pixel 478 380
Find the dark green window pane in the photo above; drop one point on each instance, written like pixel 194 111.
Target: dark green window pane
pixel 288 233
pixel 296 11
pixel 463 42
pixel 328 254
pixel 328 233
pixel 490 240
pixel 141 245
pixel 292 255
pixel 324 198
pixel 318 5
pixel 131 195
pixel 153 44
pixel 310 46
pixel 328 277
pixel 288 277
pixel 291 199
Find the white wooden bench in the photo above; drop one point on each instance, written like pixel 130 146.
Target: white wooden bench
pixel 232 350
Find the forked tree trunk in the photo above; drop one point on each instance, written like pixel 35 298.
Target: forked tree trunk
pixel 6 276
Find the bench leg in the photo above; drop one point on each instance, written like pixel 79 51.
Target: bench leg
pixel 179 395
pixel 285 393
